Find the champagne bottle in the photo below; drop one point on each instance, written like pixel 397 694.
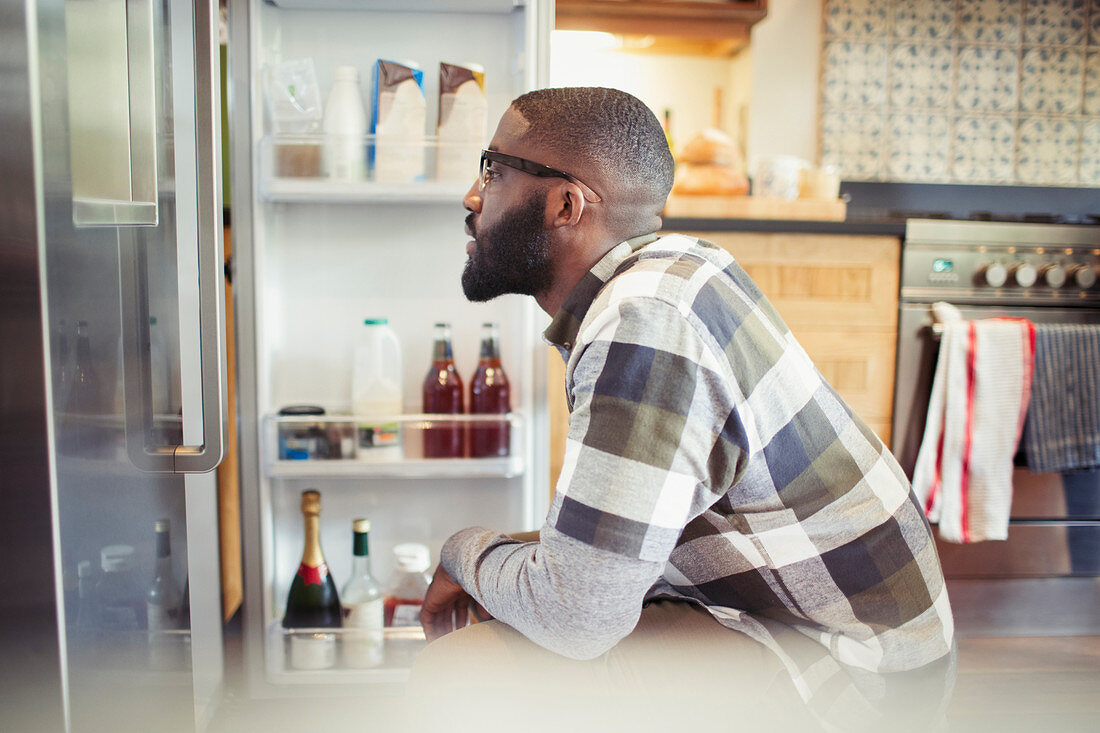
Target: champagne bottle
pixel 362 602
pixel 312 603
pixel 162 600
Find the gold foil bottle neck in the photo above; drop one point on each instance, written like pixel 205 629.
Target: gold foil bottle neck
pixel 311 502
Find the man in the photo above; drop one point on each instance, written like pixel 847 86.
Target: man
pixel 707 463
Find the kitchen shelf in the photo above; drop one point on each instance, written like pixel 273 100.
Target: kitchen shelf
pixel 426 170
pixel 408 461
pixel 401 645
pixel 320 190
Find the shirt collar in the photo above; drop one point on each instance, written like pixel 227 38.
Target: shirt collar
pixel 562 331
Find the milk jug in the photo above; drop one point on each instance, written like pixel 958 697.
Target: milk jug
pixel 376 392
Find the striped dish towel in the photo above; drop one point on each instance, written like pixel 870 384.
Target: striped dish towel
pixel 1063 424
pixel 980 392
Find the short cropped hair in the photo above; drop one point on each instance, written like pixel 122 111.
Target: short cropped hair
pixel 604 127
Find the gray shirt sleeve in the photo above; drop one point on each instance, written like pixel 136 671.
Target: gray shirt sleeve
pixel 566 596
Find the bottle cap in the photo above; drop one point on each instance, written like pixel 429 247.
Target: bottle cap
pixel 84 569
pixel 161 525
pixel 311 501
pixel 412 557
pixel 116 558
pixel 375 321
pixel 346 73
pixel 360 525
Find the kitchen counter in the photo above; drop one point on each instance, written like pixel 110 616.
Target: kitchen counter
pixel 853 225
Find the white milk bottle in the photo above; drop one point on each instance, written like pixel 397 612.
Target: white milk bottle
pixel 343 155
pixel 376 392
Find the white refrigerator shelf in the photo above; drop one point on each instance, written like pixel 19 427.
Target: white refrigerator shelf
pixel 414 468
pixel 321 190
pixel 401 645
pixel 404 461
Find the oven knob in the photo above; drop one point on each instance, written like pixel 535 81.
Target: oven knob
pixel 995 274
pixel 1053 275
pixel 1084 276
pixel 1024 274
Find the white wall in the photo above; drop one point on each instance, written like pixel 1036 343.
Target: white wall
pixel 786 48
pixel 684 84
pixel 769 90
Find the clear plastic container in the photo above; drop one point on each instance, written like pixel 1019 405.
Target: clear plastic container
pixel 376 392
pixel 778 176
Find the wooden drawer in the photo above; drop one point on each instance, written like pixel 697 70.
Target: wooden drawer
pixel 841 282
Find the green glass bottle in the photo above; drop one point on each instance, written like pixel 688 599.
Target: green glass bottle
pixel 312 604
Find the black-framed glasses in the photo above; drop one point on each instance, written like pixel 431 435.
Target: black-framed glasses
pixel 530 167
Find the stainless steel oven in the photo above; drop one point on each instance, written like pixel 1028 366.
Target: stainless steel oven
pixel 1045 579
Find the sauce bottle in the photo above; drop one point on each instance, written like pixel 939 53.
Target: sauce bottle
pixel 406 591
pixel 490 394
pixel 442 393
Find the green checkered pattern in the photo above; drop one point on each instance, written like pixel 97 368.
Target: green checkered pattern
pixel 702 437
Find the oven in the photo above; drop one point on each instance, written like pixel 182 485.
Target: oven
pixel 1045 578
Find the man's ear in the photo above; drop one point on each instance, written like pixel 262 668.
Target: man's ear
pixel 567 204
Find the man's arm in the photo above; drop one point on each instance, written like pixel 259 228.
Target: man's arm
pixel 447 606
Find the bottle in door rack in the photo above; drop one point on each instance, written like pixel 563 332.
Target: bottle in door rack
pixel 312 603
pixel 343 156
pixel 442 393
pixel 162 600
pixel 376 392
pixel 490 395
pixel 362 601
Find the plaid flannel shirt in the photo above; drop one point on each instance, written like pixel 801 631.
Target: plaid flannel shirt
pixel 708 459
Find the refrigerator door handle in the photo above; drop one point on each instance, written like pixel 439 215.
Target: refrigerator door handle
pixel 126 193
pixel 205 456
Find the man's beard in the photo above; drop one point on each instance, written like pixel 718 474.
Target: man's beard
pixel 511 257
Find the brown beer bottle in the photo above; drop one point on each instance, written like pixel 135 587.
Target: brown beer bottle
pixel 490 394
pixel 442 394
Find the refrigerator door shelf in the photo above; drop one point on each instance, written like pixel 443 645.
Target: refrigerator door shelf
pixel 406 460
pixel 393 169
pixel 417 468
pixel 400 643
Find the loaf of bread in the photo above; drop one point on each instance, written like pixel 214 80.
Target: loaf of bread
pixel 709 164
pixel 710 146
pixel 705 179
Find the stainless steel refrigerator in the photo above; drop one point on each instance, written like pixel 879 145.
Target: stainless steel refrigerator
pixel 113 347
pixel 113 364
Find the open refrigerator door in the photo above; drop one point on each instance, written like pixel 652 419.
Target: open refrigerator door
pixel 344 214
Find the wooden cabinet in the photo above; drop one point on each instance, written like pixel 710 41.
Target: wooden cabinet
pixel 838 293
pixel 721 21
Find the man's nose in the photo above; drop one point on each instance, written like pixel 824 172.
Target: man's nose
pixel 472 200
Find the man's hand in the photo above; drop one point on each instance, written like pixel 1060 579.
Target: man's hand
pixel 447 606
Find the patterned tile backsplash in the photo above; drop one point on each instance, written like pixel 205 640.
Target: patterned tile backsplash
pixel 962 91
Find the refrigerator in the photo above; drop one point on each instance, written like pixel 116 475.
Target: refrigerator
pixel 315 256
pixel 114 380
pixel 113 376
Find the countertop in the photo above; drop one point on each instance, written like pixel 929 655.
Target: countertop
pixel 886 227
